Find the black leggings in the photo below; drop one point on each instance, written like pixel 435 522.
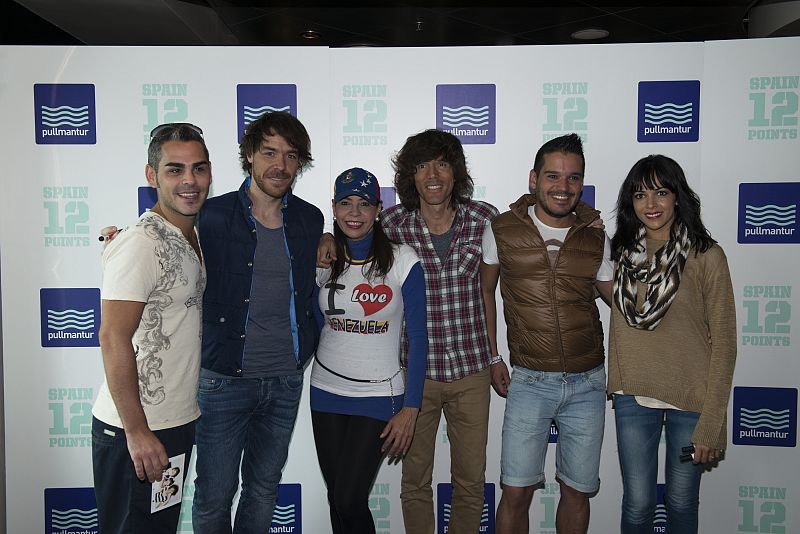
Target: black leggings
pixel 349 453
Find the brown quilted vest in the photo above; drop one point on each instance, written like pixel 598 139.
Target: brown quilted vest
pixel 552 321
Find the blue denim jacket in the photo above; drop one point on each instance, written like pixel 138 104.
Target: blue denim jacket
pixel 228 238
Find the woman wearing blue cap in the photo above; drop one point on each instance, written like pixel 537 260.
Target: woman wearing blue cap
pixel 364 402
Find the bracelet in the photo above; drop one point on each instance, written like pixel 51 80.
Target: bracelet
pixel 497 358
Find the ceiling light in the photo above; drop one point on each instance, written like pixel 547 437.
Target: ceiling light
pixel 310 34
pixel 590 34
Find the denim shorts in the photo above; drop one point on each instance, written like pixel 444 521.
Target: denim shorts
pixel 577 404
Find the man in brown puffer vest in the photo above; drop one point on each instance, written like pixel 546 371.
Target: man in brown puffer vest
pixel 551 261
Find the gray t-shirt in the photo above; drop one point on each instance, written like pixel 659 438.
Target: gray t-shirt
pixel 441 243
pixel 268 349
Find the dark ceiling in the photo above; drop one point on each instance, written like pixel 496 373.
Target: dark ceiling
pixel 434 23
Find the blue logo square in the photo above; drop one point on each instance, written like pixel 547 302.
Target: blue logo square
pixel 288 516
pixel 388 197
pixel 553 437
pixel 147 197
pixel 64 114
pixel 253 100
pixel 70 317
pixel 70 511
pixel 669 112
pixel 660 520
pixel 444 498
pixel 468 112
pixel 765 417
pixel 588 195
pixel 768 212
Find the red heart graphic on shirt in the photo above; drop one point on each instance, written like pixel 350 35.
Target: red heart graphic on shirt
pixel 372 299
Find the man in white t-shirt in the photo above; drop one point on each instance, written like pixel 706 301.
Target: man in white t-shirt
pixel 153 283
pixel 551 261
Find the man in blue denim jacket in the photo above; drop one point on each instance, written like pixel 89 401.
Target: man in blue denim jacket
pixel 260 247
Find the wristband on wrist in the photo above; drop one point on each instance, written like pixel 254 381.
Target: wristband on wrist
pixel 497 358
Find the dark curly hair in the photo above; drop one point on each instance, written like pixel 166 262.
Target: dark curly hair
pixel 652 172
pixel 276 123
pixel 427 146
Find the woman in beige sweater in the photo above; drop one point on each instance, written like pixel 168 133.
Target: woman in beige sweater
pixel 672 346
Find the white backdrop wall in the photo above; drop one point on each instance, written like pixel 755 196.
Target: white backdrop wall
pixel 737 103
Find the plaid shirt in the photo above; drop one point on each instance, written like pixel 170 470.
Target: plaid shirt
pixel 458 345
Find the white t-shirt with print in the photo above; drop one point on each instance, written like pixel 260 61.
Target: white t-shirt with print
pixel 361 335
pixel 152 262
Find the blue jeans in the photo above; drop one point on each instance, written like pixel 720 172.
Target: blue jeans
pixel 638 437
pixel 577 403
pixel 254 416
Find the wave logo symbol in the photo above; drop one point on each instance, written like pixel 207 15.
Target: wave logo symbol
pixel 770 214
pixel 668 113
pixel 70 319
pixel 251 113
pixel 284 515
pixel 255 99
pixel 73 519
pixel 465 116
pixel 484 514
pixel 65 116
pixel 764 418
pixel 661 515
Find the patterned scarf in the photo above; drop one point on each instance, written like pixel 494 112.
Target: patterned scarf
pixel 662 276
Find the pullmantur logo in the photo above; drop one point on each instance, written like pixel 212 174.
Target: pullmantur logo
pixel 588 195
pixel 388 197
pixel 287 516
pixel 64 114
pixel 660 521
pixel 70 317
pixel 468 112
pixel 765 417
pixel 444 498
pixel 669 111
pixel 768 212
pixel 70 511
pixel 253 100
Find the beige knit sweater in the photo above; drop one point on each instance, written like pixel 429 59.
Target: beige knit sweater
pixel 688 360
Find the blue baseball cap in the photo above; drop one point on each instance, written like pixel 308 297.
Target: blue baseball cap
pixel 359 182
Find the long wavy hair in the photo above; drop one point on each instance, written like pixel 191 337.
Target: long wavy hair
pixel 653 172
pixel 427 146
pixel 381 252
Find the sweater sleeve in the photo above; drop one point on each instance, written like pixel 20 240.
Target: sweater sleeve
pixel 721 319
pixel 415 312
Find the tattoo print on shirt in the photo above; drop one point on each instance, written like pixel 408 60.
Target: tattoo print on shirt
pixel 171 252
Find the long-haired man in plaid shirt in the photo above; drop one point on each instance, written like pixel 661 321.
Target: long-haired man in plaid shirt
pixel 439 219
